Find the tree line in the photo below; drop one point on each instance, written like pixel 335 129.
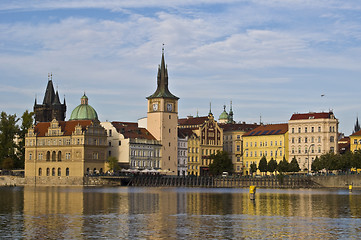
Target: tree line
pixel 12 143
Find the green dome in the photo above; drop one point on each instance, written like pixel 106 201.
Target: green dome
pixel 84 111
pixel 224 115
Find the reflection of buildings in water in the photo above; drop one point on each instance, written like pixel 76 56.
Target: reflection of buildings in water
pixel 72 212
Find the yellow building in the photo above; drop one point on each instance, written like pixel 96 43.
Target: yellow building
pixel 205 137
pixel 355 141
pixel 63 152
pixel 270 141
pixel 233 142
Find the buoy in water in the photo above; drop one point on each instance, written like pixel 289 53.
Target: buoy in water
pixel 252 192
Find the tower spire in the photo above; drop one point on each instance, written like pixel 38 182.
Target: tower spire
pixel 162 82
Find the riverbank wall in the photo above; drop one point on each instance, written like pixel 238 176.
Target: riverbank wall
pixel 337 181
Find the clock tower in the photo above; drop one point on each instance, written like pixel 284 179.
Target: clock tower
pixel 162 119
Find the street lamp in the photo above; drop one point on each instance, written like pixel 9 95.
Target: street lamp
pixel 308 159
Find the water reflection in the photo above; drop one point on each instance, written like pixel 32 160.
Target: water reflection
pixel 177 213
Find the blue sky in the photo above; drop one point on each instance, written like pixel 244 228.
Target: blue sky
pixel 272 58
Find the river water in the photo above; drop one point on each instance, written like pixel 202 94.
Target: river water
pixel 177 213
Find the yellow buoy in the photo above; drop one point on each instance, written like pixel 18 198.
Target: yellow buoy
pixel 350 188
pixel 252 192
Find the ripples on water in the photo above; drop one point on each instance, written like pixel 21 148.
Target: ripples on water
pixel 177 213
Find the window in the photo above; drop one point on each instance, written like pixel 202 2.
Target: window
pixel 280 152
pixel 312 139
pixel 110 144
pixel 293 130
pixel 305 139
pixel 319 149
pixel 238 159
pixel 332 139
pixel 59 156
pixel 332 149
pixel 271 153
pixel 299 140
pixel 47 156
pixel 47 171
pixel 59 171
pixel 299 149
pixel 271 143
pixel 319 129
pixel 120 143
pixel 109 153
pixel 299 130
pixel 238 136
pixel 110 132
pixel 305 129
pixel 275 143
pixel 293 140
pixel 238 148
pixel 312 129
pixel 293 150
pixel 40 156
pixel 40 171
pixel 30 156
pixel 53 156
pixel 280 143
pixel 53 172
pixel 319 139
pixel 355 141
pixel 67 172
pixel 305 149
pixel 255 144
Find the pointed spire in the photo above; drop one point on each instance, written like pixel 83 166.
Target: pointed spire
pixel 162 81
pixel 230 115
pixel 357 126
pixel 64 100
pixel 56 99
pixel 210 109
pixel 49 92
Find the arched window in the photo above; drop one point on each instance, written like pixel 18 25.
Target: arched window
pixel 59 171
pixel 40 171
pixel 47 171
pixel 67 172
pixel 53 156
pixel 48 156
pixel 59 156
pixel 53 172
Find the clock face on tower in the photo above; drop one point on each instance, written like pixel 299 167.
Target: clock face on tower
pixel 155 106
pixel 169 107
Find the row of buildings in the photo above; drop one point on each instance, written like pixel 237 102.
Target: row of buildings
pixel 65 151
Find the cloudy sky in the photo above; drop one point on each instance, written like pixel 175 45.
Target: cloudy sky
pixel 272 58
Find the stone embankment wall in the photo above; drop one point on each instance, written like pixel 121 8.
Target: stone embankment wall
pixel 11 181
pixel 338 181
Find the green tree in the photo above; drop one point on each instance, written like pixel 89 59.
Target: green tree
pixel 221 163
pixel 283 166
pixel 113 163
pixel 8 132
pixel 272 165
pixel 8 163
pixel 26 122
pixel 252 168
pixel 316 165
pixel 262 165
pixel 293 166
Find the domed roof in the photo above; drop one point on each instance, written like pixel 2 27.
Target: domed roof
pixel 224 115
pixel 84 111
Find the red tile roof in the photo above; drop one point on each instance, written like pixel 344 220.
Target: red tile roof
pixel 192 120
pixel 131 130
pixel 67 127
pixel 358 133
pixel 272 129
pixel 311 115
pixel 185 132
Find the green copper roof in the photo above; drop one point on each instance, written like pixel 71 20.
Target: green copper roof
pixel 224 114
pixel 84 111
pixel 162 82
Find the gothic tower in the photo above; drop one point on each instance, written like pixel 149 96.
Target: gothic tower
pixel 51 107
pixel 162 119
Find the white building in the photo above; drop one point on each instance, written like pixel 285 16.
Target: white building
pixel 134 147
pixel 182 154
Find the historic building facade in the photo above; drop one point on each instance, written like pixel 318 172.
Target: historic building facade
pixel 51 108
pixel 162 120
pixel 134 147
pixel 311 135
pixel 205 138
pixel 182 153
pixel 63 152
pixel 270 141
pixel 233 142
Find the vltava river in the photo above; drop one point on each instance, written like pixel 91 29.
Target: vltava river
pixel 177 213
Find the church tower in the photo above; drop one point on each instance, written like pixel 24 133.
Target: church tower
pixel 51 107
pixel 162 119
